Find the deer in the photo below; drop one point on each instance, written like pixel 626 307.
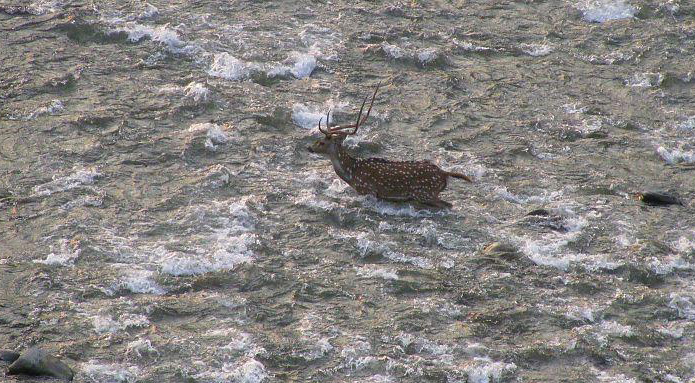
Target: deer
pixel 388 180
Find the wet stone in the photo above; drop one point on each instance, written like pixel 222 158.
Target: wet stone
pixel 658 199
pixel 538 213
pixel 500 249
pixel 38 362
pixel 8 356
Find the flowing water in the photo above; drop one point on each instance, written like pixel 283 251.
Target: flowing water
pixel 162 221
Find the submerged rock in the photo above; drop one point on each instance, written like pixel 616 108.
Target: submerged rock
pixel 545 219
pixel 38 362
pixel 538 213
pixel 500 249
pixel 8 356
pixel 658 199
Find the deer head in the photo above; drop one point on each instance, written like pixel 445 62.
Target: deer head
pixel 334 136
pixel 330 143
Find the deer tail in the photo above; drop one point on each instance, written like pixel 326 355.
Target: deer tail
pixel 459 175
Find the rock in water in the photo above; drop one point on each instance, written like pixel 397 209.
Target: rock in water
pixel 36 361
pixel 658 199
pixel 538 213
pixel 8 356
pixel 500 249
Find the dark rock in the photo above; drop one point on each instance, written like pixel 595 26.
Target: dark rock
pixel 38 362
pixel 538 213
pixel 658 199
pixel 8 356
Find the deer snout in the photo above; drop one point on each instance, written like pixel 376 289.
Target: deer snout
pixel 310 149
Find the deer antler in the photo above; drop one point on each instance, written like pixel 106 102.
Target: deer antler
pixel 338 130
pixel 326 132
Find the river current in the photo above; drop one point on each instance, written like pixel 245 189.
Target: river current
pixel 162 221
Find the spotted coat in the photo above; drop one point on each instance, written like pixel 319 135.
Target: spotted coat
pixel 420 181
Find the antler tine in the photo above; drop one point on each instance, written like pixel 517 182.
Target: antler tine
pixel 359 121
pixel 326 132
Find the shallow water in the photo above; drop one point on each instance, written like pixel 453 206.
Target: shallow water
pixel 162 220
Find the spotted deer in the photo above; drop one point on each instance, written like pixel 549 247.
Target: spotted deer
pixel 396 181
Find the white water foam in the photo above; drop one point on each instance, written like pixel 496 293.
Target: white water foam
pixel 94 371
pixel 484 370
pixel 550 249
pixel 606 377
pixel 214 134
pixel 243 371
pixel 223 248
pixel 667 264
pixel 616 329
pixel 374 271
pixel 78 178
pixel 687 125
pixel 240 343
pixel 337 187
pixel 161 34
pixel 439 306
pixel 684 304
pixel 545 196
pixel 671 329
pixel 430 347
pixel 378 378
pixel 88 200
pixel 308 117
pixel 197 92
pixel 321 348
pixel 54 108
pixel 675 142
pixel 140 348
pixel 645 80
pixel 393 51
pixel 300 65
pixel 106 324
pixel 676 155
pixel 580 313
pixel 398 209
pixel 229 67
pixel 537 50
pixel 684 245
pixel 424 56
pixel 599 11
pixel 321 42
pixel 357 356
pixel 304 65
pixel 428 55
pixel 367 246
pixel 150 12
pixel 137 281
pixel 471 47
pixel 66 255
pixel 43 7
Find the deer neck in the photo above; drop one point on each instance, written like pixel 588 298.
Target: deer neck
pixel 343 163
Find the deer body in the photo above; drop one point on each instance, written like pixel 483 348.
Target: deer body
pixel 397 181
